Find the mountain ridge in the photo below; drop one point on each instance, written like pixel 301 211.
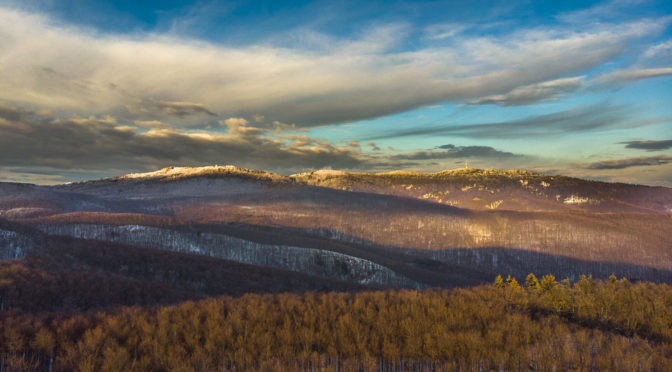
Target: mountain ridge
pixel 173 173
pixel 473 222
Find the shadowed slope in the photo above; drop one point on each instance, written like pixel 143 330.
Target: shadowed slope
pixel 68 274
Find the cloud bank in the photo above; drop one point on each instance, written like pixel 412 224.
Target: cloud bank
pixel 457 152
pixel 154 77
pixel 632 162
pixel 648 145
pixel 95 143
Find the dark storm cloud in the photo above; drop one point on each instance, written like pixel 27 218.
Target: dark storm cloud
pixel 632 162
pixel 452 152
pixel 575 120
pixel 648 145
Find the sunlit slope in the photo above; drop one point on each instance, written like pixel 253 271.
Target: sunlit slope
pixel 180 182
pixel 490 189
pixel 439 232
pixel 478 189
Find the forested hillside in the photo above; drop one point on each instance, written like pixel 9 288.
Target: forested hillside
pixel 395 229
pixel 588 325
pixel 69 275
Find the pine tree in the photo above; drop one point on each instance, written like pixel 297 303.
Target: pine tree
pixel 531 282
pixel 499 282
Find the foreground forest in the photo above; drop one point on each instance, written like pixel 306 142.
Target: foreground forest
pixel 538 325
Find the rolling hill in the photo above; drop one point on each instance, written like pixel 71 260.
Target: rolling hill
pixel 397 229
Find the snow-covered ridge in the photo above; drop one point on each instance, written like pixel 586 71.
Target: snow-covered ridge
pixel 322 173
pixel 177 173
pixel 180 173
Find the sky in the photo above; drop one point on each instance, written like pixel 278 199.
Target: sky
pixel 92 89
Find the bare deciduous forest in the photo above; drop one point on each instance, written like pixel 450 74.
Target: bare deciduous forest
pixel 540 324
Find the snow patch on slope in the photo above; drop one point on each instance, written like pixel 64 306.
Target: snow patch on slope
pixel 14 245
pixel 24 212
pixel 178 172
pixel 307 260
pixel 575 199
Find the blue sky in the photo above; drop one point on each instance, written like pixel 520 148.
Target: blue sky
pixel 99 88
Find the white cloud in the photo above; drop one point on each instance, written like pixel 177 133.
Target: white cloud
pixel 661 49
pixel 527 94
pixel 627 75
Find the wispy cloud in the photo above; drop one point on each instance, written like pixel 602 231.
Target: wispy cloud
pixel 534 93
pixel 555 89
pixel 457 152
pixel 649 145
pixel 627 75
pixel 631 162
pixel 444 31
pixel 663 49
pixel 579 119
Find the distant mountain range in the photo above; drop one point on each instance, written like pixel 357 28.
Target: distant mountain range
pixel 345 230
